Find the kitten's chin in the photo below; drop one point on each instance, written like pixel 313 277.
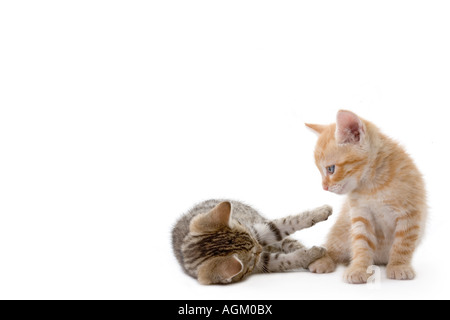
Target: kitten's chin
pixel 339 192
pixel 337 189
pixel 343 188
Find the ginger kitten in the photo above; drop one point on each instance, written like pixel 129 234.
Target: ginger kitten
pixel 383 217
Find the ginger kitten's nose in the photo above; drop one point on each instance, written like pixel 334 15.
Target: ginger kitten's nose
pixel 325 187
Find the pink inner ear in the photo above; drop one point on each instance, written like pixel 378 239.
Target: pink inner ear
pixel 221 214
pixel 231 267
pixel 349 127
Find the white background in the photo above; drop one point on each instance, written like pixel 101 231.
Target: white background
pixel 117 116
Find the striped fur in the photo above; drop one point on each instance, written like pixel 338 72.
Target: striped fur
pixel 383 218
pixel 221 241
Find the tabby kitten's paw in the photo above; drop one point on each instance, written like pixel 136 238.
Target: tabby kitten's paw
pixel 356 275
pixel 316 252
pixel 322 213
pixel 400 272
pixel 322 265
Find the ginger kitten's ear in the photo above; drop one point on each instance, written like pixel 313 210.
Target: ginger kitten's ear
pixel 218 217
pixel 219 270
pixel 349 128
pixel 316 128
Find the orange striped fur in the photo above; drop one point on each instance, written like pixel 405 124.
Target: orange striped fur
pixel 383 217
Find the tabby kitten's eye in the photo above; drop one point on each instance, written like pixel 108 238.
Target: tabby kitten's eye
pixel 330 169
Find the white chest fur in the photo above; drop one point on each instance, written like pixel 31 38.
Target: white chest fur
pixel 382 219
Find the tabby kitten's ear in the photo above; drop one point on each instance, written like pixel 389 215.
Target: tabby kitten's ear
pixel 217 218
pixel 219 270
pixel 349 128
pixel 316 128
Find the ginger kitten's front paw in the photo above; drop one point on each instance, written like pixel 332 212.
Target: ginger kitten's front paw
pixel 400 272
pixel 356 275
pixel 323 265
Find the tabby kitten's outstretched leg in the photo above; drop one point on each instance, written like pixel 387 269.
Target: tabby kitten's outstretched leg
pixel 276 230
pixel 288 245
pixel 279 262
pixel 282 255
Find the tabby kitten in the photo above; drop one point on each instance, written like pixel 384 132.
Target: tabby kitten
pixel 225 241
pixel 383 217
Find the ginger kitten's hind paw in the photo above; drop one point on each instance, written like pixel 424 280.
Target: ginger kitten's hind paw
pixel 323 265
pixel 400 272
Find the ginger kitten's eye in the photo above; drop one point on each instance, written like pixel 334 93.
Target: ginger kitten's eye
pixel 330 169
